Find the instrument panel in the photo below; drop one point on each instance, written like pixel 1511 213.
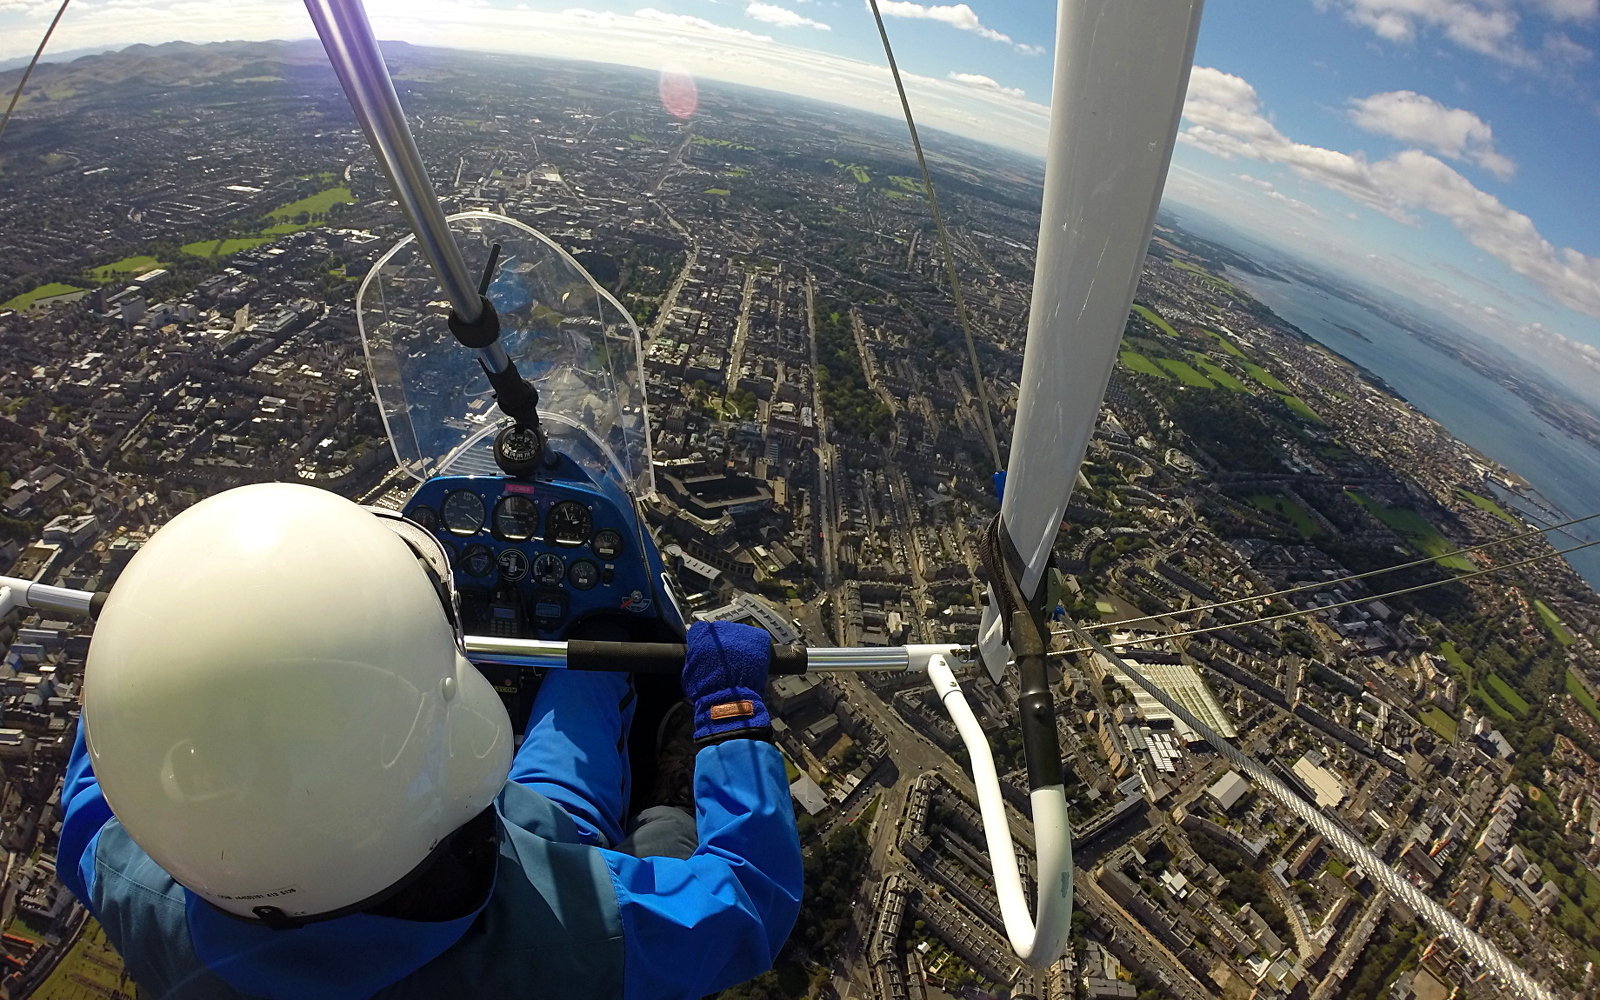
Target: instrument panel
pixel 533 558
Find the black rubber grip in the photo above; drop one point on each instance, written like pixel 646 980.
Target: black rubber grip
pixel 662 657
pixel 626 657
pixel 788 660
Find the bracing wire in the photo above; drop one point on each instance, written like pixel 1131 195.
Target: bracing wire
pixel 1323 584
pixel 1300 612
pixel 944 246
pixel 1485 953
pixel 31 64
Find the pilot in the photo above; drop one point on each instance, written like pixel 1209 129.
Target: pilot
pixel 289 783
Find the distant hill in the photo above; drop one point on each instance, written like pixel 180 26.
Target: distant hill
pixel 159 68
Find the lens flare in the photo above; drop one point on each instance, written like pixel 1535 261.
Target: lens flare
pixel 678 93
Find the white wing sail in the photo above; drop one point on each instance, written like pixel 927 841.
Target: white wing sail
pixel 1122 67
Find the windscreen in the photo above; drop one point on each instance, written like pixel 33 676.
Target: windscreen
pixel 565 333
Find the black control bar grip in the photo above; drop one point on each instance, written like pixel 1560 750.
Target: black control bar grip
pixel 662 657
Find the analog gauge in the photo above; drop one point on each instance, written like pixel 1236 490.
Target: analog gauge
pixel 568 523
pixel 424 515
pixel 607 544
pixel 583 575
pixel 549 570
pixel 477 560
pixel 516 518
pixel 463 512
pixel 513 565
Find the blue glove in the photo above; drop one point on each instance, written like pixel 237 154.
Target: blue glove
pixel 725 677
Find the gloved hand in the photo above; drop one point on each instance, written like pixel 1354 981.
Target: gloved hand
pixel 725 677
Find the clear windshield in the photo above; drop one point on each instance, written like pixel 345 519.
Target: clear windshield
pixel 567 335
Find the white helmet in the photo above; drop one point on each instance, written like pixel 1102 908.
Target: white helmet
pixel 278 707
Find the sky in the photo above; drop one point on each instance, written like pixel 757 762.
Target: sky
pixel 1447 151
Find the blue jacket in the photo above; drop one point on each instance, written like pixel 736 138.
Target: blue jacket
pixel 565 919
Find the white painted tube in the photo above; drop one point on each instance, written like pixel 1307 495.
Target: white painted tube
pixel 43 597
pixel 1037 941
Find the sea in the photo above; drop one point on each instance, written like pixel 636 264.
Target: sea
pixel 1564 470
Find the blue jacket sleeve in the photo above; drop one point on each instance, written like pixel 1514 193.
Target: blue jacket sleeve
pixel 84 812
pixel 692 927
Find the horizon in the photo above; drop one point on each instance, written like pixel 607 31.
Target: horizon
pixel 1411 226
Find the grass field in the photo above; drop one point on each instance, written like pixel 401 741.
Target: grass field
pixel 1436 720
pixel 223 248
pixel 854 170
pixel 719 192
pixel 1282 506
pixel 1226 344
pixel 125 266
pixel 1186 374
pixel 1552 621
pixel 1503 693
pixel 1299 406
pixel 1134 361
pixel 22 929
pixel 1265 377
pixel 1491 704
pixel 1416 529
pixel 1160 323
pixel 1218 375
pixel 317 204
pixel 1583 697
pixel 27 299
pixel 1484 503
pixel 91 970
pixel 1203 274
pixel 1454 658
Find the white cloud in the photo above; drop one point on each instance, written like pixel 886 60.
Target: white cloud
pixel 1267 188
pixel 1226 120
pixel 679 21
pixel 957 16
pixel 985 83
pixel 1415 118
pixel 1488 27
pixel 783 17
pixel 1570 10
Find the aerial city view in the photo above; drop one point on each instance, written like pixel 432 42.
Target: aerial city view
pixel 1329 519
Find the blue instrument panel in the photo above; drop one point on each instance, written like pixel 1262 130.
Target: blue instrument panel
pixel 533 558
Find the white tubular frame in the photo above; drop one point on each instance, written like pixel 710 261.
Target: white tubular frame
pixel 1040 943
pixel 17 592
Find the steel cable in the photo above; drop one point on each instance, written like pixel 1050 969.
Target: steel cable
pixel 1320 584
pixel 1298 612
pixel 1475 945
pixel 944 245
pixel 31 64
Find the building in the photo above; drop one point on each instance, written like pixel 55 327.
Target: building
pixel 749 609
pixel 1328 787
pixel 1184 684
pixel 809 794
pixel 1229 789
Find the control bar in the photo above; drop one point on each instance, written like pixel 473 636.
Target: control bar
pixel 668 657
pixel 577 654
pixel 16 592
